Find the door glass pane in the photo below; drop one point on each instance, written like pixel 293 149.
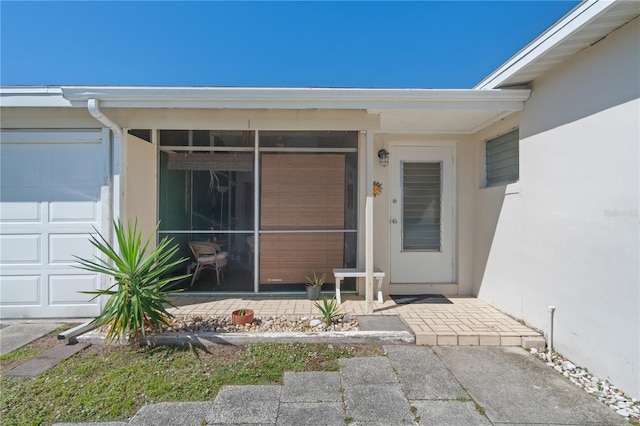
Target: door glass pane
pixel 421 200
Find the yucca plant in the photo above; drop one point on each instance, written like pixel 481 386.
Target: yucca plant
pixel 329 309
pixel 316 281
pixel 135 298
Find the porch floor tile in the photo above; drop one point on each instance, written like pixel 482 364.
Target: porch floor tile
pixel 465 321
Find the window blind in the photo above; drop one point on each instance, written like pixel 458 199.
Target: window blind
pixel 502 159
pixel 421 206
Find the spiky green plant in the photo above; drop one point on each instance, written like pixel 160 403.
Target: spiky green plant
pixel 329 309
pixel 316 281
pixel 135 299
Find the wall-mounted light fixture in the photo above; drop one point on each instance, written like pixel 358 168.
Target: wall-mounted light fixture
pixel 383 156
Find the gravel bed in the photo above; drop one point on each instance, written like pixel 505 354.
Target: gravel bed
pixel 608 394
pixel 260 324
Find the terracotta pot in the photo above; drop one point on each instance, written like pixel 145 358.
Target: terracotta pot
pixel 238 319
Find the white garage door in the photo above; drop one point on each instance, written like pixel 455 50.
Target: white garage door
pixel 54 191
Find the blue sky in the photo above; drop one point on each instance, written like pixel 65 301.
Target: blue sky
pixel 429 44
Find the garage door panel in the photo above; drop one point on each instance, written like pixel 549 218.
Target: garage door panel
pixel 20 212
pixel 21 165
pixel 74 169
pixel 73 211
pixel 51 203
pixel 67 289
pixel 20 249
pixel 72 194
pixel 21 290
pixel 63 248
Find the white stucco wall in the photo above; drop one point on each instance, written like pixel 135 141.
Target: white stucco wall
pixel 570 237
pixel 140 184
pixel 487 202
pixel 47 118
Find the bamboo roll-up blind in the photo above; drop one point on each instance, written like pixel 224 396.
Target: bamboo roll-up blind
pixel 224 162
pixel 304 191
pixel 301 192
pixel 289 258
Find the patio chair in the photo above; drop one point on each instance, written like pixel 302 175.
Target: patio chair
pixel 208 255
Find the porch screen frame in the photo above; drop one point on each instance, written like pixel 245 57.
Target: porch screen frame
pixel 256 150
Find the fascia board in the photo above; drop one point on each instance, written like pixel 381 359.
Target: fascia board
pixel 32 97
pixel 295 98
pixel 574 20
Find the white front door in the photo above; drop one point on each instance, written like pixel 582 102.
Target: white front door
pixel 422 212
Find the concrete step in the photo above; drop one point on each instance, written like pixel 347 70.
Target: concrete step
pixel 527 339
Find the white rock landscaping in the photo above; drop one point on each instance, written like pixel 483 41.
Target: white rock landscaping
pixel 266 324
pixel 608 394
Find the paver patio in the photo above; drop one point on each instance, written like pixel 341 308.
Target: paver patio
pixel 464 321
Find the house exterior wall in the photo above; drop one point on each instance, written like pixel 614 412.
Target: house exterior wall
pixel 487 201
pixel 568 236
pixel 141 185
pixel 47 118
pixel 241 119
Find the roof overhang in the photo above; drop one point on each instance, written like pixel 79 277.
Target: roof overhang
pixel 585 25
pixel 400 110
pixel 293 98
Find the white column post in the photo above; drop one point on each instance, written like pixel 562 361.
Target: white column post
pixel 256 212
pixel 369 224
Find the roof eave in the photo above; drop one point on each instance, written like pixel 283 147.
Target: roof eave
pixel 293 98
pixel 577 18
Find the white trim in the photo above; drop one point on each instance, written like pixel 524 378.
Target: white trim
pixel 261 98
pixel 296 98
pixel 368 263
pixel 256 213
pixel 106 197
pixel 117 179
pixel 32 96
pixel 205 148
pixel 512 188
pixel 155 140
pixel 294 149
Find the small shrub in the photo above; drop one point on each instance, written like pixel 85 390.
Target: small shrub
pixel 329 309
pixel 316 281
pixel 135 298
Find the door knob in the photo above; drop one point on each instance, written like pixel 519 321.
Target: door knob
pixel 394 221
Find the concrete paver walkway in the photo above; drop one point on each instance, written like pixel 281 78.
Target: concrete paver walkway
pixel 464 321
pixel 410 385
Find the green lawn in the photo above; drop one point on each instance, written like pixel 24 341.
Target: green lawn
pixel 14 358
pixel 101 384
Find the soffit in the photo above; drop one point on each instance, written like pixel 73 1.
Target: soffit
pixel 439 121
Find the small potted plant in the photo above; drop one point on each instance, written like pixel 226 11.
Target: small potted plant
pixel 314 285
pixel 242 316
